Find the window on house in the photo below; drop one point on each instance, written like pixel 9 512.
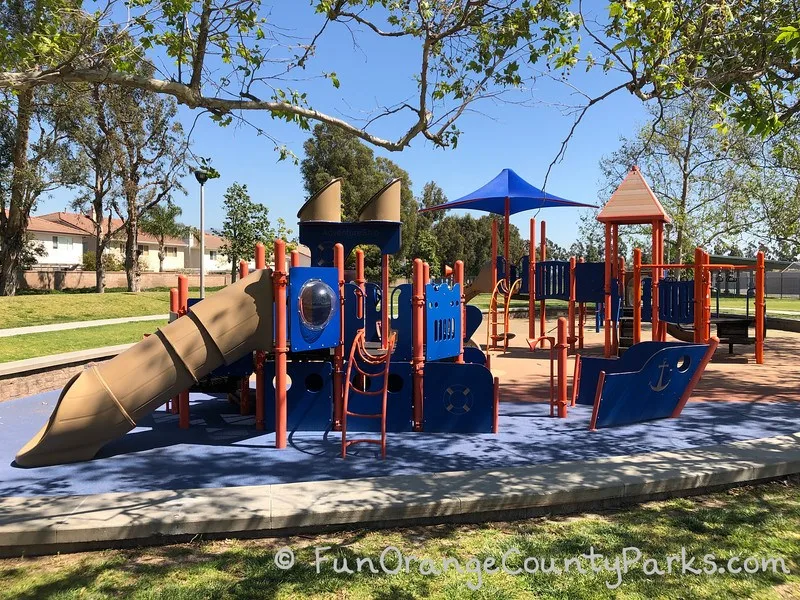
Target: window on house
pixel 212 255
pixel 141 249
pixel 171 251
pixel 64 243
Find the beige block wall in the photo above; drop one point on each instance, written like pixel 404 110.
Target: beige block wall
pixel 60 280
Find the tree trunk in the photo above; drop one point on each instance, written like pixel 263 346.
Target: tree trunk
pixel 132 273
pixel 16 223
pixel 234 270
pixel 161 257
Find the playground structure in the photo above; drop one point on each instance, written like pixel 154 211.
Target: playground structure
pixel 352 357
pixel 291 327
pixel 667 302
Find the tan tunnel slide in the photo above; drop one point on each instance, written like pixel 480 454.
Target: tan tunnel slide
pixel 482 284
pixel 106 401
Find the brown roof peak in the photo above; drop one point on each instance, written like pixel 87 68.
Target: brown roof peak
pixel 633 202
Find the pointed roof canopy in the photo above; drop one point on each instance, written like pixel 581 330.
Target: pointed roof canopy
pixel 521 195
pixel 633 203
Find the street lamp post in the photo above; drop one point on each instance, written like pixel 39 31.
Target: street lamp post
pixel 202 177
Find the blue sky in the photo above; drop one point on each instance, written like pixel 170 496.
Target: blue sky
pixel 523 138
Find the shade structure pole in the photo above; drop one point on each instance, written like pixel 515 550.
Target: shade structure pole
pixel 760 307
pixel 506 236
pixel 494 275
pixel 532 282
pixel 607 300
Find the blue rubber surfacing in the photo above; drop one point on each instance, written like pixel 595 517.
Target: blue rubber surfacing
pixel 223 449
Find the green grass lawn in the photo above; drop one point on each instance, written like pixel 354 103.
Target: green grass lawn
pixel 44 309
pixel 20 347
pixel 762 522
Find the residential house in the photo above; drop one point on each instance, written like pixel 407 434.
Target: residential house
pixel 66 236
pixel 175 250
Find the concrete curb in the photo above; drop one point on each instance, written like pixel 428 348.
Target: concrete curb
pixel 41 525
pixel 78 325
pixel 19 367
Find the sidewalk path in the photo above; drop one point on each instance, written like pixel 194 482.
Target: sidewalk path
pixel 78 325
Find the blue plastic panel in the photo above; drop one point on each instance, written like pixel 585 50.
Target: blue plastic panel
pixel 474 356
pixel 352 322
pixel 401 302
pixel 474 320
pixel 676 301
pixel 398 401
pixel 372 311
pixel 552 280
pixel 309 400
pixel 501 269
pixel 647 300
pixel 633 359
pixel 442 321
pixel 301 337
pixel 321 236
pixel 651 393
pixel 616 304
pixel 459 398
pixel 524 264
pixel 590 281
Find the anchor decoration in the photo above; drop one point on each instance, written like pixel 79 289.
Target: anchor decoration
pixel 661 384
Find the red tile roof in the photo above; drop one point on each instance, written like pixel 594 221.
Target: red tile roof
pixel 37 224
pixel 85 224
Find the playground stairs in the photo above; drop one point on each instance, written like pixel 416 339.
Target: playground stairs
pixel 498 334
pixel 363 368
pixel 625 329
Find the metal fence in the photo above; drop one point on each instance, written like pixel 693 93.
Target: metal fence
pixel 784 284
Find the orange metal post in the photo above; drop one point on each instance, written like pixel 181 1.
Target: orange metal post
pixel 637 295
pixel 385 301
pixel 597 394
pixel 361 279
pixel 760 307
pixel 571 306
pixel 338 352
pixel 295 258
pixel 607 301
pixel 506 240
pixel 576 380
pixel 261 256
pixel 532 281
pixel 244 270
pixel 706 297
pixel 655 274
pixel 562 368
pixel 698 295
pixel 173 300
pixel 542 304
pixel 279 288
pixel 581 319
pixel 459 280
pixel 183 294
pixel 426 272
pixel 418 356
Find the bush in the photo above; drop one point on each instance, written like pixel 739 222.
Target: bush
pixel 110 261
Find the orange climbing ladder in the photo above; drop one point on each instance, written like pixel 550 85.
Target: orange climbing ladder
pixel 357 382
pixel 495 340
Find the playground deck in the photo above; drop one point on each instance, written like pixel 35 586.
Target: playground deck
pixel 223 449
